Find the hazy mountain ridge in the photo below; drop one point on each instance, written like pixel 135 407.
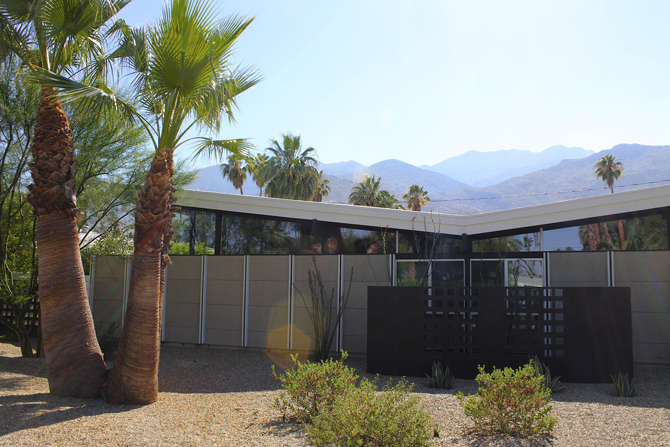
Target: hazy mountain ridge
pixel 573 178
pixel 482 169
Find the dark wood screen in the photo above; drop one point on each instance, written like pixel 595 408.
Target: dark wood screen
pixel 583 334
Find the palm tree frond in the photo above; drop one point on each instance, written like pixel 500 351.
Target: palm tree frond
pixel 218 149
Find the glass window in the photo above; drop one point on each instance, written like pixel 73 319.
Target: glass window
pixel 488 273
pixel 356 241
pixel 639 233
pixel 517 243
pixel 412 273
pixel 193 232
pixel 524 272
pixel 448 273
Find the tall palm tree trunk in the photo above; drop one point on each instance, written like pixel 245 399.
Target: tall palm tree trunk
pixel 134 377
pixel 75 365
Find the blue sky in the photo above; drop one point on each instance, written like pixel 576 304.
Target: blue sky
pixel 425 80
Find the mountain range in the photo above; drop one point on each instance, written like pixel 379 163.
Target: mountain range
pixel 526 178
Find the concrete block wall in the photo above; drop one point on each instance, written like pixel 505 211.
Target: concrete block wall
pixel 648 276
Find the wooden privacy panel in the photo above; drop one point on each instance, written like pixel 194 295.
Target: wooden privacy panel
pixel 583 334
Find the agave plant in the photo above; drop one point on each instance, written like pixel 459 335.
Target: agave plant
pixel 622 386
pixel 441 378
pixel 543 370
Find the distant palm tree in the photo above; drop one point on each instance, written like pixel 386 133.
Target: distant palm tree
pixel 234 171
pixel 416 198
pixel 291 171
pixel 322 188
pixel 369 193
pixel 608 170
pixel 256 167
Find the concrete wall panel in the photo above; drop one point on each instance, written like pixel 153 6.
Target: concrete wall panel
pixel 369 270
pixel 223 318
pixel 182 299
pixel 108 289
pixel 578 269
pixel 268 317
pixel 648 276
pixel 642 266
pixel 223 337
pixel 229 268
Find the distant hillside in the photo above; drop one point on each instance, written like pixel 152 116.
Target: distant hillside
pixel 642 164
pixel 570 178
pixel 482 169
pixel 397 176
pixel 341 168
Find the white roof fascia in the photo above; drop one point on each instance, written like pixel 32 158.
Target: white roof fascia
pixel 538 215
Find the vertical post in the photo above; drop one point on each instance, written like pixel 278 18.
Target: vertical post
pixel 245 302
pixel 91 281
pixel 203 298
pixel 466 248
pixel 217 232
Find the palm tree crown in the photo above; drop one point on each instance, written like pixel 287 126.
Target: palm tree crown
pixel 322 188
pixel 416 197
pixel 608 170
pixel 256 166
pixel 234 171
pixel 291 170
pixel 369 193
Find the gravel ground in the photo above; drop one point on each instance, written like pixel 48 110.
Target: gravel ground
pixel 223 398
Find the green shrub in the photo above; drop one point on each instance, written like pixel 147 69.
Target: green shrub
pixel 441 378
pixel 363 417
pixel 622 386
pixel 513 402
pixel 310 388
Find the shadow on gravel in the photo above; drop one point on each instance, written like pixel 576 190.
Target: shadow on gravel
pixel 475 440
pixel 21 412
pixel 36 367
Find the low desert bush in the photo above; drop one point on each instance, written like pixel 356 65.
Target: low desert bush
pixel 511 402
pixel 623 387
pixel 440 377
pixel 543 370
pixel 310 388
pixel 364 417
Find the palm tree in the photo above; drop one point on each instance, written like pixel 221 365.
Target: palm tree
pixel 291 170
pixel 369 193
pixel 256 167
pixel 58 36
pixel 322 188
pixel 416 197
pixel 608 170
pixel 235 172
pixel 182 77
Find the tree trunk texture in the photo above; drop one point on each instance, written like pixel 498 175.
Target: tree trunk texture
pixel 134 377
pixel 75 365
pixel 622 235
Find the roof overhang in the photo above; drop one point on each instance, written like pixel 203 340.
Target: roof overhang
pixel 550 214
